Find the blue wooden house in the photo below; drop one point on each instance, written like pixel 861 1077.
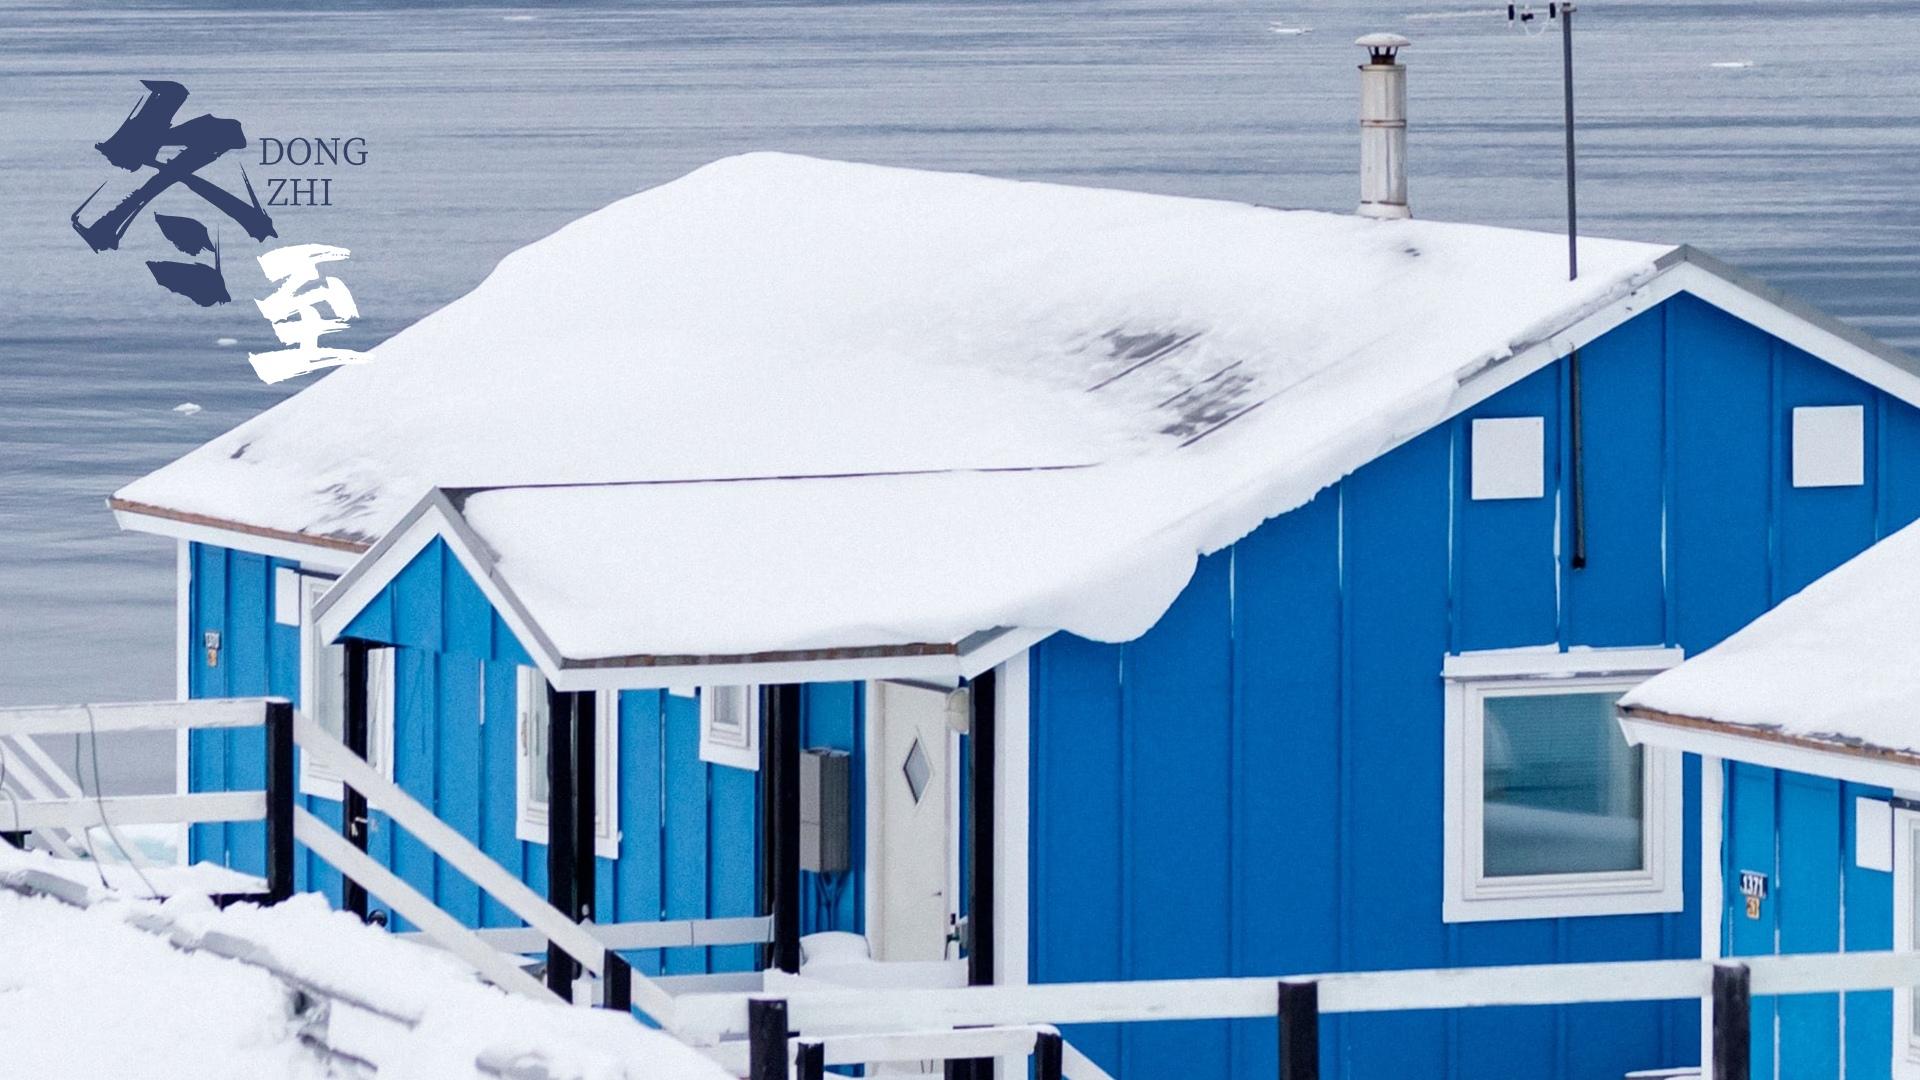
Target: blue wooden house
pixel 1196 588
pixel 1805 721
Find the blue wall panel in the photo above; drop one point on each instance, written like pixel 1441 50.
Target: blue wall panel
pixel 1341 613
pixel 1867 899
pixel 1810 853
pixel 1396 633
pixel 1286 759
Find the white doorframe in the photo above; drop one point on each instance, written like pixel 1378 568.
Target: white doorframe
pixel 1011 808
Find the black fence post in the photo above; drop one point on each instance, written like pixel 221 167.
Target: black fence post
pixel 1049 1053
pixel 766 1039
pixel 811 1061
pixel 617 983
pixel 561 868
pixel 353 803
pixel 1299 1014
pixel 1732 1022
pixel 780 761
pixel 279 724
pixel 585 789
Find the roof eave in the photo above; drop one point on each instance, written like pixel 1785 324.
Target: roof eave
pixel 1835 758
pixel 323 552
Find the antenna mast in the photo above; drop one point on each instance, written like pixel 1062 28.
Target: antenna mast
pixel 1521 18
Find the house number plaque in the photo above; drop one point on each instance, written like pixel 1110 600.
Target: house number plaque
pixel 1753 886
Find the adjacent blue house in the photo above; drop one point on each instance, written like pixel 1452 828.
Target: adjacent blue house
pixel 1806 723
pixel 1195 588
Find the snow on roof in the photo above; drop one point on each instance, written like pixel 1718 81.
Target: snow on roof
pixel 957 402
pixel 1837 663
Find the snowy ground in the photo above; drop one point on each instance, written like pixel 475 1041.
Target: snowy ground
pixel 130 989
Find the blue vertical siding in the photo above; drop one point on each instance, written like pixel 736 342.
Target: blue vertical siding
pixel 689 836
pixel 1336 617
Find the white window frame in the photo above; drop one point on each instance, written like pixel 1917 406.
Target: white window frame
pixel 720 748
pixel 315 779
pixel 530 814
pixel 1469 894
pixel 1906 1041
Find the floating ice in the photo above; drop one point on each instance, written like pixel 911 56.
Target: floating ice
pixel 186 408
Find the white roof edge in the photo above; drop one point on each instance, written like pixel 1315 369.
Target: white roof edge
pixel 1860 765
pixel 315 556
pixel 436 515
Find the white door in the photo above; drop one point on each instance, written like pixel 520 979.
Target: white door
pixel 913 783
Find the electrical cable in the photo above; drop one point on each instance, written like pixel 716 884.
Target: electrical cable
pixel 93 745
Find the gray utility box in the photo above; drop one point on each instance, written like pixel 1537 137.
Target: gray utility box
pixel 825 811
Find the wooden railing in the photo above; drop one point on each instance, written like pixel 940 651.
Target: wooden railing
pixel 929 1019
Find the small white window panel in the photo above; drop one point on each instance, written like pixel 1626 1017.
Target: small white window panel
pixel 730 726
pixel 1829 446
pixel 1509 458
pixel 1906 914
pixel 530 764
pixel 1873 834
pixel 1548 812
pixel 323 692
pixel 287 607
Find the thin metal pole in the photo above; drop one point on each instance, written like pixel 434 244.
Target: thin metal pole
pixel 1732 1022
pixel 279 723
pixel 353 804
pixel 1577 456
pixel 1573 217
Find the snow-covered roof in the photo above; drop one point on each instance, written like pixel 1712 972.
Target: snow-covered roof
pixel 1837 665
pixel 785 403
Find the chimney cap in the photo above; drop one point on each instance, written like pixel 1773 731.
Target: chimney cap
pixel 1382 47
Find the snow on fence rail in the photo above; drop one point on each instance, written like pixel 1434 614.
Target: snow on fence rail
pixel 286 729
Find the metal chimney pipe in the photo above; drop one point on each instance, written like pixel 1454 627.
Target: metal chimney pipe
pixel 1383 128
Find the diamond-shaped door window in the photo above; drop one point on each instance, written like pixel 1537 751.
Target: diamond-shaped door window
pixel 917 769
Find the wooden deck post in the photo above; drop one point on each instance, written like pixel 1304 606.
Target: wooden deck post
pixel 811 1061
pixel 617 983
pixel 1732 1022
pixel 766 1039
pixel 561 970
pixel 585 816
pixel 1049 1053
pixel 1299 1014
pixel 780 869
pixel 280 784
pixel 353 804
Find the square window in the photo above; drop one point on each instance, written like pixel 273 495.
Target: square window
pixel 533 783
pixel 730 726
pixel 323 693
pixel 1561 789
pixel 1829 446
pixel 1509 458
pixel 1549 812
